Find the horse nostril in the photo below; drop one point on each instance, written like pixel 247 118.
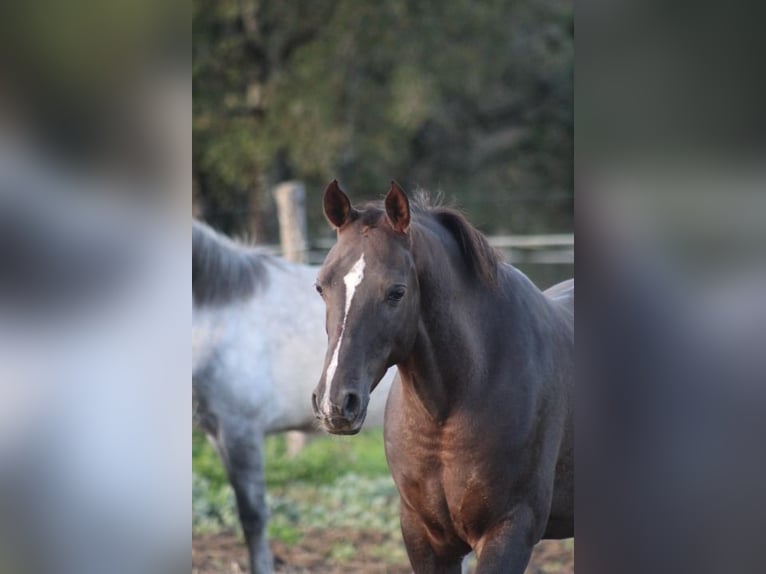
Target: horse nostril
pixel 314 403
pixel 351 405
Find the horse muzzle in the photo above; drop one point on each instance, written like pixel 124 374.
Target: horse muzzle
pixel 344 417
pixel 340 427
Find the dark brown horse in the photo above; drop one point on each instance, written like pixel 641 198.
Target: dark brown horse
pixel 478 429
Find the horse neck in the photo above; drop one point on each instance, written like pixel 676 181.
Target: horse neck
pixel 448 346
pixel 464 323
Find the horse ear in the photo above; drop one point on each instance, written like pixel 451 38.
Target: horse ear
pixel 398 208
pixel 337 206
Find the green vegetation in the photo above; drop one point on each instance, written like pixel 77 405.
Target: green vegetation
pixel 326 459
pixel 471 98
pixel 341 482
pixel 213 506
pixel 336 484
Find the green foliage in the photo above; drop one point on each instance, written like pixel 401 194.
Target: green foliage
pixel 213 506
pixel 473 98
pixel 206 463
pixel 352 501
pixel 342 551
pixel 338 481
pixel 326 459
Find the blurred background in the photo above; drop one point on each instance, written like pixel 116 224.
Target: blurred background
pixel 473 100
pixel 95 154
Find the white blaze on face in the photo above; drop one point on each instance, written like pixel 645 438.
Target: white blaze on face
pixel 352 280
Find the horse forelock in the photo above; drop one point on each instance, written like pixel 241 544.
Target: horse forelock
pixel 223 271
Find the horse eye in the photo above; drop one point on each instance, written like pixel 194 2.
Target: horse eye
pixel 319 289
pixel 395 294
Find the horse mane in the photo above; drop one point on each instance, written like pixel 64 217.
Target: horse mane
pixel 223 271
pixel 480 257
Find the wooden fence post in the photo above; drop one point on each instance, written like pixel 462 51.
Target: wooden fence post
pixel 290 197
pixel 291 211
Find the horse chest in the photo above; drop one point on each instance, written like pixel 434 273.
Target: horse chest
pixel 439 482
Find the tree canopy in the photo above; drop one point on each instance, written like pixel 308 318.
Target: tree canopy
pixel 474 99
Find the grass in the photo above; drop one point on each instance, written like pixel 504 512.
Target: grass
pixel 341 482
pixel 326 459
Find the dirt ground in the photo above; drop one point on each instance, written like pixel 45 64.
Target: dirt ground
pixel 225 554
